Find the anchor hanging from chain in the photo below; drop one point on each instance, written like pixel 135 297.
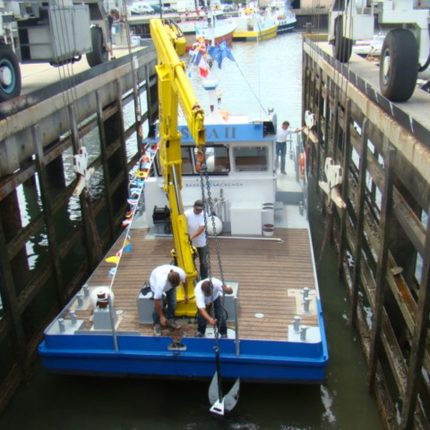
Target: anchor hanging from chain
pixel 219 402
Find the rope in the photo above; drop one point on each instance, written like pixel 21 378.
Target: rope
pixel 250 87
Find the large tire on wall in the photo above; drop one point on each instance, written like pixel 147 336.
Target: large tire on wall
pixel 99 53
pixel 342 48
pixel 398 69
pixel 10 74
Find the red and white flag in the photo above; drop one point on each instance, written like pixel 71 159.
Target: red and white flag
pixel 203 68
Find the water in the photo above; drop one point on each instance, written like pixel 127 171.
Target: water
pixel 55 402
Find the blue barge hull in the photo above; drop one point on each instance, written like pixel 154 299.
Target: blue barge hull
pixel 276 311
pixel 263 361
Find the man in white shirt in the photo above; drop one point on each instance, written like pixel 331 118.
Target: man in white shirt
pixel 164 280
pixel 197 232
pixel 282 135
pixel 206 292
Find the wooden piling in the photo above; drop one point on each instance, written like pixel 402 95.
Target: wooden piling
pixel 382 236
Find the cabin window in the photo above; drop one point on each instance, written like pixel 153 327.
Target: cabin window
pixel 251 159
pixel 187 162
pixel 217 160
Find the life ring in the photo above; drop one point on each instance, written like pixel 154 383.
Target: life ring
pixel 302 164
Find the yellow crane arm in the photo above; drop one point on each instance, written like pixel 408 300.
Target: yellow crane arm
pixel 174 88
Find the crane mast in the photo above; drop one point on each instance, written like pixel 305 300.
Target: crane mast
pixel 175 89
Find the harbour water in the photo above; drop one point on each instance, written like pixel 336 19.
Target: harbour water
pixel 56 402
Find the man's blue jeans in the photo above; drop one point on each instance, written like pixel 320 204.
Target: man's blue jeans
pixel 219 315
pixel 203 258
pixel 170 300
pixel 281 150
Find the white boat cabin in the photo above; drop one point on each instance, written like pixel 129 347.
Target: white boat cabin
pixel 240 164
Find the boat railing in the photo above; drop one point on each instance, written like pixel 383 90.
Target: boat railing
pixel 112 323
pixel 236 326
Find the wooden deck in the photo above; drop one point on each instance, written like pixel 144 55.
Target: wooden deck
pixel 268 273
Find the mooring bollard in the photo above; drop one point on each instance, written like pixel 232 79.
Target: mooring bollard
pixel 73 318
pixel 306 303
pixel 61 325
pixel 296 323
pixel 303 333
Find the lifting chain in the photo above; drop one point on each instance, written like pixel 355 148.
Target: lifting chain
pixel 204 180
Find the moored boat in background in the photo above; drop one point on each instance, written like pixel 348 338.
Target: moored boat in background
pixel 287 21
pixel 283 13
pixel 253 26
pixel 214 27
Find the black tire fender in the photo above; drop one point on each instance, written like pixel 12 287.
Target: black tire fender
pixel 99 53
pixel 398 69
pixel 342 48
pixel 12 87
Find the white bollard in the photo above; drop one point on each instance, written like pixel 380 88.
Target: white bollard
pixel 296 323
pixel 73 318
pixel 303 333
pixel 61 325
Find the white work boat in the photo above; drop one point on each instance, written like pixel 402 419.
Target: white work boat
pixel 274 315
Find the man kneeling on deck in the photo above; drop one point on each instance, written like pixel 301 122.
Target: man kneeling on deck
pixel 209 291
pixel 164 280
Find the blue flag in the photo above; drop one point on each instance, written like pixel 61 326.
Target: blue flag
pixel 219 52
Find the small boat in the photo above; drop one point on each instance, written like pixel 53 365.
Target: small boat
pixel 253 26
pixel 213 27
pixel 283 13
pixel 274 314
pixel 287 21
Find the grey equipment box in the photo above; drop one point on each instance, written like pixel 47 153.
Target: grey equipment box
pixel 102 319
pixel 145 307
pixel 229 300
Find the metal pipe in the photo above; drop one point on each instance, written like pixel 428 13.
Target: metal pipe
pixel 112 323
pixel 236 326
pixel 269 239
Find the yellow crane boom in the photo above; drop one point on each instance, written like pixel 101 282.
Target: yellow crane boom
pixel 174 89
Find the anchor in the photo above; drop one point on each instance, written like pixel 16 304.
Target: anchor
pixel 219 402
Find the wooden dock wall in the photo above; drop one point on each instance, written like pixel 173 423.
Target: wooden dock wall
pixel 383 235
pixel 50 241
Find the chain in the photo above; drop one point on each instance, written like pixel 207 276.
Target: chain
pixel 205 216
pixel 204 176
pixel 217 244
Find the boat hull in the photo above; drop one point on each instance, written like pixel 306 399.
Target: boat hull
pixel 225 37
pixel 285 26
pixel 222 32
pixel 266 34
pixel 255 28
pixel 274 314
pixel 258 360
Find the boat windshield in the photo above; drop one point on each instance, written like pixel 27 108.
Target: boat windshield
pixel 251 159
